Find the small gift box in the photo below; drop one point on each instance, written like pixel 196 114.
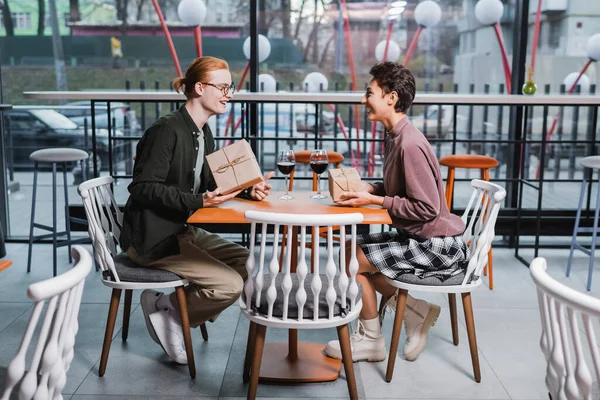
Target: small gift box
pixel 234 167
pixel 343 180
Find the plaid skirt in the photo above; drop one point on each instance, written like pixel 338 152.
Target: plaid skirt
pixel 396 253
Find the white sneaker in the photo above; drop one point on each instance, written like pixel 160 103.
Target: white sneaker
pixel 418 318
pixel 364 346
pixel 170 335
pixel 148 300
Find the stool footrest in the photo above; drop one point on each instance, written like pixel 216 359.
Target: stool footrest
pixel 41 226
pixel 79 220
pixel 49 235
pixel 85 240
pixel 585 250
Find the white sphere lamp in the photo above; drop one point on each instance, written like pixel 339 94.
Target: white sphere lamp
pixel 583 83
pixel 393 52
pixel 315 82
pixel 191 12
pixel 267 83
pixel 428 13
pixel 593 47
pixel 264 48
pixel 489 12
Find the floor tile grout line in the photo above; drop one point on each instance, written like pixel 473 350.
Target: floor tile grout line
pixel 230 351
pixel 494 371
pixel 97 360
pixel 18 316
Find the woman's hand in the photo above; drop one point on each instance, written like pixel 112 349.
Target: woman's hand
pixel 358 199
pixel 213 198
pixel 261 189
pixel 366 187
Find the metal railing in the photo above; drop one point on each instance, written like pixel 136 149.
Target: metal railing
pixel 453 123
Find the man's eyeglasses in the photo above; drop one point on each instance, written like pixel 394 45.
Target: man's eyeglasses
pixel 223 87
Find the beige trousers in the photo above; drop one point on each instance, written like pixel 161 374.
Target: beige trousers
pixel 215 267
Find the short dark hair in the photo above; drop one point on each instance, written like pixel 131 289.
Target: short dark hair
pixel 393 77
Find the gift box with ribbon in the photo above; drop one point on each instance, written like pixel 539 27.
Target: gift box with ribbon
pixel 234 167
pixel 343 180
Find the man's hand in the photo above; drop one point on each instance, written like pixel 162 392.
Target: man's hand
pixel 261 189
pixel 214 199
pixel 357 199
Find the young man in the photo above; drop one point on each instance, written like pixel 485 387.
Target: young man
pixel 170 181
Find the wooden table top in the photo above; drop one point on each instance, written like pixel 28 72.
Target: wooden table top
pixel 5 264
pixel 232 212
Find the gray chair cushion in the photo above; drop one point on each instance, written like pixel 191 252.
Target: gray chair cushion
pixel 431 281
pixel 308 306
pixel 129 271
pixel 58 155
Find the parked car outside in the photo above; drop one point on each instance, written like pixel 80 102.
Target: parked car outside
pixel 80 111
pixel 28 130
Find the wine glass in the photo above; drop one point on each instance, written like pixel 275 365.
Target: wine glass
pixel 286 161
pixel 318 163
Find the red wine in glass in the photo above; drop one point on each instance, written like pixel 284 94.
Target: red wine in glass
pixel 318 167
pixel 286 168
pixel 286 161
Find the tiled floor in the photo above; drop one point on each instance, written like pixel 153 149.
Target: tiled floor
pixel 507 323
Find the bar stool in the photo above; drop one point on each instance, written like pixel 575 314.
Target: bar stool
pixel 55 156
pixel 469 161
pixel 592 163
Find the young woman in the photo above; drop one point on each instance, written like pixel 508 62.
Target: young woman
pixel 171 180
pixel 427 241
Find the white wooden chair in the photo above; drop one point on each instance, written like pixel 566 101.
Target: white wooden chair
pixel 47 373
pixel 480 218
pixel 286 300
pixel 566 345
pixel 119 272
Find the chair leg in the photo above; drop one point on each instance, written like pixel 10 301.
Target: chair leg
pixel 344 337
pixel 576 228
pixel 261 332
pixel 468 307
pixel 594 237
pixel 126 314
pixel 249 351
pixel 453 317
pixel 35 173
pixel 449 187
pixel 185 326
pixel 110 328
pixel 67 215
pixel 402 296
pixel 204 332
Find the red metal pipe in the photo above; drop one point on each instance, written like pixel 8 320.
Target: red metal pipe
pixel 163 24
pixel 555 120
pixel 198 40
pixel 536 34
pixel 413 45
pixel 505 64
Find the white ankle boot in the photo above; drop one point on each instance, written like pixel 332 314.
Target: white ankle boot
pixel 367 343
pixel 419 316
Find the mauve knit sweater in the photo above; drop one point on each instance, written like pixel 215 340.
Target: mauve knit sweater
pixel 412 185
